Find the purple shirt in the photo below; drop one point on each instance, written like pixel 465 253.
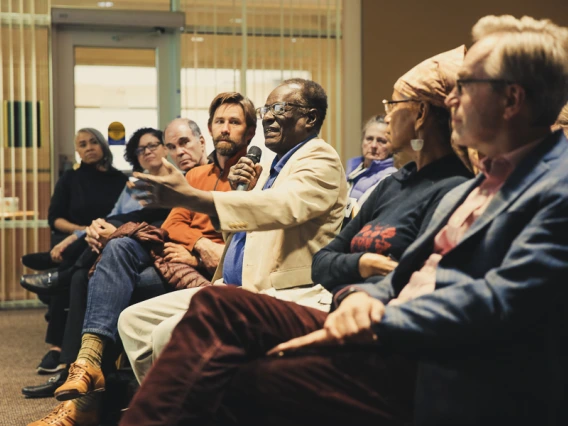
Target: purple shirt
pixel 360 179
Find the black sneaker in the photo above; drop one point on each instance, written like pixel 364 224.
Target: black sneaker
pixel 50 363
pixel 39 261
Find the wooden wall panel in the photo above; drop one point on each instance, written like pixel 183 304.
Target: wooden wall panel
pixel 25 172
pixel 10 254
pixel 398 35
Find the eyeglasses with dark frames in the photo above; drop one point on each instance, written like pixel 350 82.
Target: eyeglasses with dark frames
pixel 277 108
pixel 151 146
pixel 391 105
pixel 460 82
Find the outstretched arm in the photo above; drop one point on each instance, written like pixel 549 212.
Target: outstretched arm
pixel 308 192
pixel 172 190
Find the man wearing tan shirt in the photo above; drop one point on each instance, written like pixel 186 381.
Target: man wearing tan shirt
pixel 292 210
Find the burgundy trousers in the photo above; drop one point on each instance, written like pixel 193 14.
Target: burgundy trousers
pixel 214 371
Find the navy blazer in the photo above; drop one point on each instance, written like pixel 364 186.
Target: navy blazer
pixel 492 338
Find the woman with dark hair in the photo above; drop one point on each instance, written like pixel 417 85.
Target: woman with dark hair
pixel 151 139
pixel 144 151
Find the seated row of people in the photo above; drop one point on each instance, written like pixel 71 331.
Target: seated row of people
pixel 80 196
pixel 84 190
pixel 368 247
pixel 469 328
pixel 452 271
pixel 232 126
pixel 145 151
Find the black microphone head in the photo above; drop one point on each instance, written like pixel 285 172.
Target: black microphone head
pixel 254 153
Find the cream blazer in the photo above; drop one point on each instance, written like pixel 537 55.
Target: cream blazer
pixel 288 223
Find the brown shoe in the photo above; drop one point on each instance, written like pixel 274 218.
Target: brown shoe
pixel 66 414
pixel 84 378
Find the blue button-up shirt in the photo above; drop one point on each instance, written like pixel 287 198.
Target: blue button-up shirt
pixel 233 263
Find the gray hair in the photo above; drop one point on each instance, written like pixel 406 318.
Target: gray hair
pixel 532 53
pixel 106 162
pixel 193 126
pixel 375 119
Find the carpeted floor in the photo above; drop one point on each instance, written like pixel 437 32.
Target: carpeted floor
pixel 22 346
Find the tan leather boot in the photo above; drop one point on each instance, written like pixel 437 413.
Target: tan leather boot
pixel 83 379
pixel 66 414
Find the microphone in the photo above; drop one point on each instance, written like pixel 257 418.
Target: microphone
pixel 254 153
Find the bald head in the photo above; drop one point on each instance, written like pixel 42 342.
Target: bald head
pixel 187 122
pixel 185 143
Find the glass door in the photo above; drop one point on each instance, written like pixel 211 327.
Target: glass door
pixel 116 92
pixel 105 78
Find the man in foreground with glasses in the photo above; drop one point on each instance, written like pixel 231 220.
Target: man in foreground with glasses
pixel 295 209
pixel 479 300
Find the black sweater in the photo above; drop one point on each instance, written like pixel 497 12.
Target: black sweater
pixel 396 213
pixel 85 194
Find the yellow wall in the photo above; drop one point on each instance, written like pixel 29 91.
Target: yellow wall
pixel 396 35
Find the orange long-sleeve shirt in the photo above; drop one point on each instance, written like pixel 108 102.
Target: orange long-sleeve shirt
pixel 186 227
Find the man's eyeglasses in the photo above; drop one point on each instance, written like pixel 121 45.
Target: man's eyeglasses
pixel 391 105
pixel 151 146
pixel 277 108
pixel 463 81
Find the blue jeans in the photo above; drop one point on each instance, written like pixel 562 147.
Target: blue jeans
pixel 124 275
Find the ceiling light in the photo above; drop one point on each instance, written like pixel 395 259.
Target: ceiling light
pixel 105 4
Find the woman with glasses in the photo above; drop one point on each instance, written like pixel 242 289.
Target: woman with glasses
pixel 144 151
pixel 402 204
